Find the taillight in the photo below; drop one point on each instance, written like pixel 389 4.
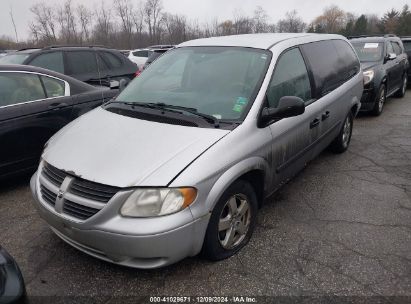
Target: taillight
pixel 136 74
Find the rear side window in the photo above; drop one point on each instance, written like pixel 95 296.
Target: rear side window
pixel 81 62
pixel 112 59
pixel 407 45
pixel 348 64
pixel 290 78
pixel 397 48
pixel 329 66
pixel 51 61
pixel 54 87
pixel 20 87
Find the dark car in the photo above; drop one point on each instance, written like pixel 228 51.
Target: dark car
pixel 384 65
pixel 406 41
pixel 12 289
pixel 94 65
pixel 34 104
pixel 156 51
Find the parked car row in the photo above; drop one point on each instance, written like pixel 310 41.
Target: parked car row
pixel 189 150
pixel 143 57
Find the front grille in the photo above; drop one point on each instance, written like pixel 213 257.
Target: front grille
pixel 54 175
pixel 48 195
pixel 79 211
pixel 93 191
pixel 81 192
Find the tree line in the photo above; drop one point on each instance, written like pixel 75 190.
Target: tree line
pixel 127 24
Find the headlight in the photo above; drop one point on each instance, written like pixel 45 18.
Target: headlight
pixel 149 202
pixel 368 76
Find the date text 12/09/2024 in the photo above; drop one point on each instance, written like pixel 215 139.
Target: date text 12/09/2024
pixel 203 299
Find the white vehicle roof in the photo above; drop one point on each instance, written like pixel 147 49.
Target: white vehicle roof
pixel 259 41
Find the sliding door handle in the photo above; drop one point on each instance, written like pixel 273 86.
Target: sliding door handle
pixel 314 123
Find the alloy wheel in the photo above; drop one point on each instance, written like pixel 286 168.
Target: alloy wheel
pixel 346 132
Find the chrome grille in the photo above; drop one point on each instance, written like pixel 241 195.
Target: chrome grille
pixel 78 211
pixel 80 198
pixel 54 175
pixel 48 195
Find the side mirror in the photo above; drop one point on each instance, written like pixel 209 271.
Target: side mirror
pixel 391 56
pixel 114 84
pixel 12 288
pixel 288 106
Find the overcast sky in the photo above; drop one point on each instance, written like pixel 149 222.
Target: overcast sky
pixel 207 10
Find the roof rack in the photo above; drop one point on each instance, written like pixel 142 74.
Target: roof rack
pixel 374 35
pixel 85 46
pixel 29 48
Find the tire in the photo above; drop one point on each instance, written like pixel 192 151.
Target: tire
pixel 379 101
pixel 401 92
pixel 217 244
pixel 342 141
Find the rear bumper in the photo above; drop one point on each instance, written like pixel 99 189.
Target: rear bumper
pixel 127 241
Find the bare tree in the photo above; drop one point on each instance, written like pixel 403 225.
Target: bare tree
pixel 43 26
pixel 260 20
pixel 124 10
pixel 85 18
pixel 67 20
pixel 152 17
pixel 332 20
pixel 291 24
pixel 242 24
pixel 176 26
pixel 103 27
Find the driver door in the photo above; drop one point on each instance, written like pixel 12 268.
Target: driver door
pixel 292 136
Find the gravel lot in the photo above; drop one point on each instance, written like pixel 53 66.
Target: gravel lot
pixel 341 227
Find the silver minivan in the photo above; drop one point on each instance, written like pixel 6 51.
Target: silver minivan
pixel 180 162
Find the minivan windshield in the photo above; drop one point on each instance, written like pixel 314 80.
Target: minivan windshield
pixel 14 58
pixel 217 81
pixel 369 51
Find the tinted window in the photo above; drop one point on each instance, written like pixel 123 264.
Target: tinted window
pixel 397 48
pixel 19 87
pixel 81 63
pixel 368 52
pixel 54 87
pixel 141 53
pixel 111 59
pixel 290 78
pixel 51 61
pixel 324 62
pixel 348 64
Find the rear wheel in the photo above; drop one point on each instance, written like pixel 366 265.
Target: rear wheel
pixel 379 101
pixel 401 92
pixel 342 141
pixel 232 222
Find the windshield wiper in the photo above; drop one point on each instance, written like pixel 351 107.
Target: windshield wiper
pixel 194 111
pixel 143 105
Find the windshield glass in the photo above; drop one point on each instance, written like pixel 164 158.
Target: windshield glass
pixel 13 59
pixel 369 51
pixel 218 81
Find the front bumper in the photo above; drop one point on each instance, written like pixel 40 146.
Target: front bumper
pixel 368 97
pixel 132 242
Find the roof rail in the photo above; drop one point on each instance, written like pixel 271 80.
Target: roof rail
pixel 29 48
pixel 161 46
pixel 373 35
pixel 84 46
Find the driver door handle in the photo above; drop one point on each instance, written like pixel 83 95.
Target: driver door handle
pixel 325 115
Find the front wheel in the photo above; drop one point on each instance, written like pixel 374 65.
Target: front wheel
pixel 342 141
pixel 379 101
pixel 232 222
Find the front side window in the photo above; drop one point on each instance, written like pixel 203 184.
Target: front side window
pixel 51 61
pixel 407 45
pixel 141 54
pixel 218 81
pixel 80 62
pixel 369 51
pixel 20 87
pixel 290 78
pixel 54 87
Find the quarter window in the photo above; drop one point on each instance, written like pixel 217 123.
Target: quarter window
pixel 51 61
pixel 19 87
pixel 112 60
pixel 54 87
pixel 290 78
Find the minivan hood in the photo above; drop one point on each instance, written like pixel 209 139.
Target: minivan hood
pixel 121 151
